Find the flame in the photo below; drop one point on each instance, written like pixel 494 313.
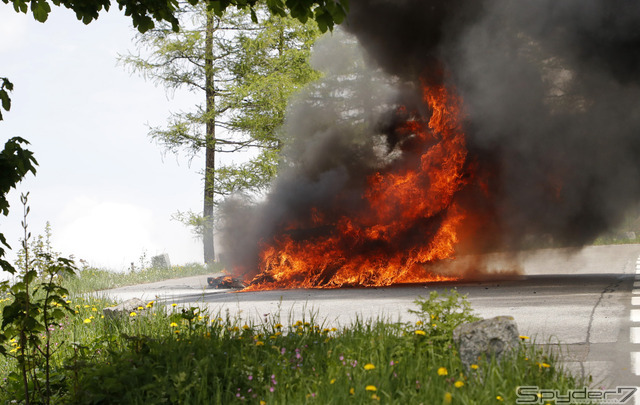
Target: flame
pixel 410 217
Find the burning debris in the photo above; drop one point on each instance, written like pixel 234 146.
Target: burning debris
pixel 477 126
pixel 226 282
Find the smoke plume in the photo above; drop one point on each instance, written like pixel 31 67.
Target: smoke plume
pixel 551 100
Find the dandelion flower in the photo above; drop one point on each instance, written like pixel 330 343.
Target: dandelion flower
pixel 278 326
pixel 133 314
pixel 263 403
pixel 173 325
pixel 458 384
pixel 333 380
pixel 259 343
pixel 94 309
pixel 174 305
pixel 87 320
pixel 474 366
pixel 352 391
pixel 374 396
pixel 499 398
pixel 442 371
pixel 420 332
pixel 524 337
pixel 369 366
pixel 447 398
pixel 370 388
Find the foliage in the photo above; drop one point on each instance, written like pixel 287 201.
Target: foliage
pixel 15 163
pixel 145 13
pixel 440 314
pixel 37 303
pixel 5 102
pixel 168 354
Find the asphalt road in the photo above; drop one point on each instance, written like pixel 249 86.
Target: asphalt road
pixel 577 303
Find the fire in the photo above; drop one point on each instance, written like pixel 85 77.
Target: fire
pixel 410 217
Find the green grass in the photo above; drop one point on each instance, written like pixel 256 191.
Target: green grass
pixel 188 356
pixel 91 279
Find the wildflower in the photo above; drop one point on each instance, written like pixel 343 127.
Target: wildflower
pixel 250 377
pixel 420 332
pixel 278 326
pixel 442 371
pixel 374 396
pixel 173 325
pixel 271 389
pixel 352 391
pixel 545 365
pixel 87 320
pixel 94 309
pixel 370 388
pixel 140 308
pixel 499 398
pixel 259 343
pixel 245 327
pixel 524 337
pixel 369 366
pixel 392 363
pixel 474 366
pixel 132 314
pixel 419 323
pixel 333 329
pixel 333 380
pixel 174 305
pixel 263 403
pixel 176 331
pixel 68 301
pixel 458 384
pixel 447 398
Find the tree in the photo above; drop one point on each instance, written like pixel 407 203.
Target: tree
pixel 246 72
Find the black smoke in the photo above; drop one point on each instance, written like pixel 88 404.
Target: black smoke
pixel 551 92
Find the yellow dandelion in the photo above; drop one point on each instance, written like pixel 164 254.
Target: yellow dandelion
pixel 374 396
pixel 370 388
pixel 263 403
pixel 245 327
pixel 333 380
pixel 442 371
pixel 174 305
pixel 545 365
pixel 87 320
pixel 133 314
pixel 458 384
pixel 369 366
pixel 352 391
pixel 333 329
pixel 259 343
pixel 474 366
pixel 420 332
pixel 447 398
pixel 499 398
pixel 68 301
pixel 173 325
pixel 419 323
pixel 278 326
pixel 524 337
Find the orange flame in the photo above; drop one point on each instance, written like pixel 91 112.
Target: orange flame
pixel 410 219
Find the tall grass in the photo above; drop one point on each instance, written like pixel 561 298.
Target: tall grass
pixel 165 354
pixel 91 279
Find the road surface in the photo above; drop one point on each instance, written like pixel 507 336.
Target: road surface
pixel 584 304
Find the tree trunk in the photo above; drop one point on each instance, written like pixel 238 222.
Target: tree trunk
pixel 210 140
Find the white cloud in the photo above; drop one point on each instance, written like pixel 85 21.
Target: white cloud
pixel 12 30
pixel 108 234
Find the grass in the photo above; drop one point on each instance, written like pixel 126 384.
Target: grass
pixel 166 354
pixel 89 279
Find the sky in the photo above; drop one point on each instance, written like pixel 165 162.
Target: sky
pixel 107 190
